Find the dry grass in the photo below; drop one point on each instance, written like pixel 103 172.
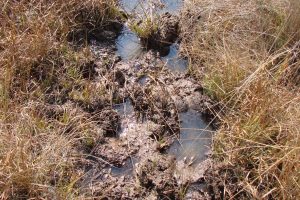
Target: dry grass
pixel 247 50
pixel 38 150
pixel 246 54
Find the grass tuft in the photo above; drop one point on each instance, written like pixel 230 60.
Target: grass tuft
pixel 246 55
pixel 41 63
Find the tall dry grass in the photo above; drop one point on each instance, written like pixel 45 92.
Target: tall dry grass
pixel 38 153
pixel 246 53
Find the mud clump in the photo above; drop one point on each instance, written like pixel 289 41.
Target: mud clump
pixel 164 36
pixel 140 101
pixel 120 78
pixel 156 174
pixel 168 28
pixel 109 121
pixel 188 94
pixel 153 103
pixel 88 70
pixel 163 111
pixel 113 151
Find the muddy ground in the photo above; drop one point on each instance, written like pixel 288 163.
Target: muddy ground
pixel 138 128
pixel 134 109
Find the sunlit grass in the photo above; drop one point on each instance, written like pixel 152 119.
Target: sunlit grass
pixel 38 141
pixel 242 51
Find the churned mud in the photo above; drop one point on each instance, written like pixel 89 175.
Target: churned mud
pixel 151 121
pixel 154 140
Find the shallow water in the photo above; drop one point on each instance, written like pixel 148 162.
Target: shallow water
pixel 124 109
pixel 142 7
pixel 195 138
pixel 195 134
pixel 173 60
pixel 128 45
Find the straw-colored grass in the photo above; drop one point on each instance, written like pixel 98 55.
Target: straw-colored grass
pixel 38 150
pixel 245 53
pixel 247 56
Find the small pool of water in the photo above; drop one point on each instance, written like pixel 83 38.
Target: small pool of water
pixel 173 60
pixel 129 45
pixel 195 138
pixel 124 109
pixel 143 80
pixel 143 7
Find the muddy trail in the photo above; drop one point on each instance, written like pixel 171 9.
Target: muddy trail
pixel 155 130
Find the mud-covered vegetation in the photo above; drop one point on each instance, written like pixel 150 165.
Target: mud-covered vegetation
pixel 246 53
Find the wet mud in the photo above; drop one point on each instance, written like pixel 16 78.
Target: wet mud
pixel 151 120
pixel 156 140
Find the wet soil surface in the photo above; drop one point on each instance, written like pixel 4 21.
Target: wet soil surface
pixel 153 131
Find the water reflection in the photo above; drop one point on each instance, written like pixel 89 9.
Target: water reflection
pixel 128 45
pixel 174 61
pixel 144 7
pixel 195 138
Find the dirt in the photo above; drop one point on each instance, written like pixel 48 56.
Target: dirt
pixel 147 131
pixel 157 96
pixel 155 173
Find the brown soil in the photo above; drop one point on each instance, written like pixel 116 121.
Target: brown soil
pixel 144 134
pixel 147 132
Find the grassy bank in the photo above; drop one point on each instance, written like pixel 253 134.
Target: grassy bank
pixel 247 55
pixel 40 64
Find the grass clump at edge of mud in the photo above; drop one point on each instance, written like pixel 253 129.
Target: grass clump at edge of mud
pixel 246 54
pixel 157 32
pixel 41 63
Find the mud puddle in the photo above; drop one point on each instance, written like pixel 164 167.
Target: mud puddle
pixel 194 141
pixel 128 44
pixel 142 7
pixel 191 147
pixel 161 140
pixel 124 109
pixel 129 47
pixel 173 60
pixel 127 169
